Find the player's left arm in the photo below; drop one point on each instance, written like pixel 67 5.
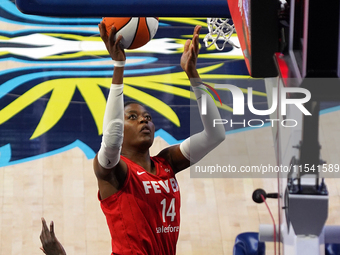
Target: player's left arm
pixel 194 148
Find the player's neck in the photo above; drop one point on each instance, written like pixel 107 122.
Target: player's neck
pixel 140 158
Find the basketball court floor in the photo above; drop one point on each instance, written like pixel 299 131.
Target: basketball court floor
pixel 54 78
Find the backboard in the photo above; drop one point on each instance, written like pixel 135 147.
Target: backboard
pixel 256 24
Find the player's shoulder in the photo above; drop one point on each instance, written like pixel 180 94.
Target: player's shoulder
pixel 175 158
pixel 158 158
pixel 164 168
pixel 162 161
pixel 167 152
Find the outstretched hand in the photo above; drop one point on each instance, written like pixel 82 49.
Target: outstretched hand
pixel 50 243
pixel 189 56
pixel 113 46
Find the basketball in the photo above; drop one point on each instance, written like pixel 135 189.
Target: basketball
pixel 136 32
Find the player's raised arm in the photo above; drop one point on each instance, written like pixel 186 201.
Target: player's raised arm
pixel 107 160
pixel 198 145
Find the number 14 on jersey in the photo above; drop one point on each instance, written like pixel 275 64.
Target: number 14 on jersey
pixel 168 211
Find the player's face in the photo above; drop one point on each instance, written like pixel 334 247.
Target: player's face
pixel 139 129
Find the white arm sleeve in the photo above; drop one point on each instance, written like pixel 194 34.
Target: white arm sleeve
pixel 113 128
pixel 198 145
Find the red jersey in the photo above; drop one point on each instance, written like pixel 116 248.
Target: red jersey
pixel 144 216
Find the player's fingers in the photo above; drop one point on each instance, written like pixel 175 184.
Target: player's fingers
pixel 119 38
pixel 45 232
pixel 117 42
pixel 196 37
pixel 197 29
pixel 52 229
pixel 102 31
pixel 187 45
pixel 44 226
pixel 196 44
pixel 192 52
pixel 112 35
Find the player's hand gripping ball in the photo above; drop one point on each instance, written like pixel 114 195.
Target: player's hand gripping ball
pixel 136 32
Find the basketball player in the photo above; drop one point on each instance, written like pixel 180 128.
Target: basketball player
pixel 139 194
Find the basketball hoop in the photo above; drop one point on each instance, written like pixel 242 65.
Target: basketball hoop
pixel 219 29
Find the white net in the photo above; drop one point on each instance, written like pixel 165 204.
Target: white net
pixel 219 30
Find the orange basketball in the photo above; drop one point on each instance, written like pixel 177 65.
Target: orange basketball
pixel 136 32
